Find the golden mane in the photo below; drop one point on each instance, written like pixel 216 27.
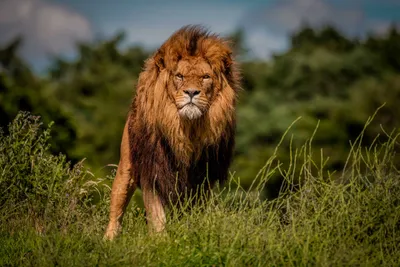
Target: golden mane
pixel 188 138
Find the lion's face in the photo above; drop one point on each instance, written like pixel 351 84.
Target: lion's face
pixel 192 87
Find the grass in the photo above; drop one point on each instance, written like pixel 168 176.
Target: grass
pixel 351 218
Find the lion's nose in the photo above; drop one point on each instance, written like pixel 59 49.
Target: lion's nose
pixel 191 92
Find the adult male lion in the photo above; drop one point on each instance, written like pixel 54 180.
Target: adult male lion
pixel 181 125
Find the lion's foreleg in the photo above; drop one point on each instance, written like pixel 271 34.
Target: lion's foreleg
pixel 155 211
pixel 122 189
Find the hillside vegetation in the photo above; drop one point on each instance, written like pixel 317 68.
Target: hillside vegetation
pixel 315 179
pixel 52 214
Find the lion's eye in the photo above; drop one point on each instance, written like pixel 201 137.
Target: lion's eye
pixel 205 77
pixel 179 76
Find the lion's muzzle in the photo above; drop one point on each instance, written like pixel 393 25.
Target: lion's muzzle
pixel 190 107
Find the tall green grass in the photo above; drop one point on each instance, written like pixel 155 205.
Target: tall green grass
pixel 54 214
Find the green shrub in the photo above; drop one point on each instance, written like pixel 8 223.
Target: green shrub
pixel 36 183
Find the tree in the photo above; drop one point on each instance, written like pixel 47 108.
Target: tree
pixel 20 89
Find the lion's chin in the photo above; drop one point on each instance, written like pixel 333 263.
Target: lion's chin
pixel 190 112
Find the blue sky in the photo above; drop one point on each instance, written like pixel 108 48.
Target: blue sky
pixel 52 27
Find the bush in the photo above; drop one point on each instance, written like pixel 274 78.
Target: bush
pixel 36 184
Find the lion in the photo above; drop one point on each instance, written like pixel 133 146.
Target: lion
pixel 180 129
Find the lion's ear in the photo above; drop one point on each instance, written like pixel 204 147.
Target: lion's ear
pixel 159 59
pixel 218 54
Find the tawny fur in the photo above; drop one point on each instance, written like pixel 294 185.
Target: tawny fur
pixel 163 153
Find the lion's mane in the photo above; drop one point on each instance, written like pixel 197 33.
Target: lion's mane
pixel 170 154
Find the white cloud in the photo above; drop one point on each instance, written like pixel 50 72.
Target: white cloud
pixel 47 28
